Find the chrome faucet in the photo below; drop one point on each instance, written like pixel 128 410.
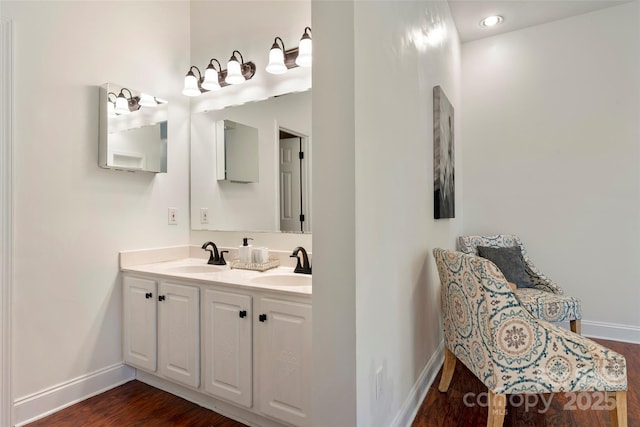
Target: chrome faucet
pixel 305 268
pixel 215 257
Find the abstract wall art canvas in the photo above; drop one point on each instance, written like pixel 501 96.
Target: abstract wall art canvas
pixel 443 156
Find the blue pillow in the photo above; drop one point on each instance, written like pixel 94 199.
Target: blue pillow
pixel 510 262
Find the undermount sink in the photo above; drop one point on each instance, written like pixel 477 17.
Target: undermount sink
pixel 282 280
pixel 194 269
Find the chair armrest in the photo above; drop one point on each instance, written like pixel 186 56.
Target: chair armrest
pixel 557 361
pixel 539 280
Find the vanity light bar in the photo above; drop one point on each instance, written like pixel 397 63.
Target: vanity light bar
pixel 280 59
pixel 122 104
pixel 237 72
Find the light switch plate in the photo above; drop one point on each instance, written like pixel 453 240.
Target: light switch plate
pixel 204 215
pixel 173 216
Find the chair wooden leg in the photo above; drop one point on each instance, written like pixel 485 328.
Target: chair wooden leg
pixel 618 414
pixel 576 326
pixel 497 409
pixel 447 370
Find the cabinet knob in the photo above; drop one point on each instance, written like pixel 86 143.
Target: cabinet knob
pixel 161 298
pixel 148 295
pixel 262 318
pixel 243 314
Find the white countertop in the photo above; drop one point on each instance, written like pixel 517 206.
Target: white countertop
pixel 224 275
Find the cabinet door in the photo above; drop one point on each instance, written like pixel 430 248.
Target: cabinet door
pixel 139 324
pixel 285 360
pixel 179 333
pixel 227 346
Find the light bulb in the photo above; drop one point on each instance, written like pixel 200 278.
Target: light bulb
pixel 122 105
pixel 234 74
pixel 491 21
pixel 111 109
pixel 211 79
pixel 191 85
pixel 276 61
pixel 304 51
pixel 147 100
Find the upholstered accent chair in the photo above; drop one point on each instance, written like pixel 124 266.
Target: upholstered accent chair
pixel 545 300
pixel 509 350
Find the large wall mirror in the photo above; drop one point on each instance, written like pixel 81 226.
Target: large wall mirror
pixel 133 130
pixel 280 199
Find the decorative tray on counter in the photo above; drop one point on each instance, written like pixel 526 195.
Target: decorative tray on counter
pixel 263 266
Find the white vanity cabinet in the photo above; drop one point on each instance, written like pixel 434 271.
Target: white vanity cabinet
pixel 227 346
pixel 162 328
pixel 242 348
pixel 140 320
pixel 283 356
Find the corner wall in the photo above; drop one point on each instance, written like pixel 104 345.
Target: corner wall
pixel 376 289
pixel 70 216
pixel 398 61
pixel 551 153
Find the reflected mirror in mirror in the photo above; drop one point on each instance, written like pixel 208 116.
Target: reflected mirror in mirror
pixel 133 130
pixel 280 199
pixel 237 155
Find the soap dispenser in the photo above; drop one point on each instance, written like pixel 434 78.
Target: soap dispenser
pixel 244 251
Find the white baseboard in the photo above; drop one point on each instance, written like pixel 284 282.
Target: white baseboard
pixel 611 331
pixel 412 403
pixel 38 405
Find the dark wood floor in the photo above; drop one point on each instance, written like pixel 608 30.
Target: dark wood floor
pixel 137 404
pixel 448 409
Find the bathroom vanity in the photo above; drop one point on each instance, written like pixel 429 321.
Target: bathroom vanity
pixel 235 341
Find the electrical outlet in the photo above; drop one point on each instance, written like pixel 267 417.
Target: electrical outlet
pixel 204 215
pixel 173 216
pixel 379 383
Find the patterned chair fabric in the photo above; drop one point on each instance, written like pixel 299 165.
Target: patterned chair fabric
pixel 546 300
pixel 508 349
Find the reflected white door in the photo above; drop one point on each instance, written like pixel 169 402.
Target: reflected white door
pixel 290 197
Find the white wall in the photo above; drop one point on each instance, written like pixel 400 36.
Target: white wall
pixel 333 210
pixel 373 209
pixel 70 216
pixel 551 153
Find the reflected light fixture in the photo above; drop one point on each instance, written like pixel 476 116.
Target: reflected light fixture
pixel 304 49
pixel 111 104
pixel 276 58
pixel 147 100
pixel 280 60
pixel 215 78
pixel 126 105
pixel 491 21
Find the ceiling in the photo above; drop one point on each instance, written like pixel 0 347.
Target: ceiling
pixel 517 14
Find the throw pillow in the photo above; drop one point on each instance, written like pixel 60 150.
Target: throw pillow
pixel 510 261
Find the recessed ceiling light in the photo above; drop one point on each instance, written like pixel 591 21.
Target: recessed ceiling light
pixel 491 21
